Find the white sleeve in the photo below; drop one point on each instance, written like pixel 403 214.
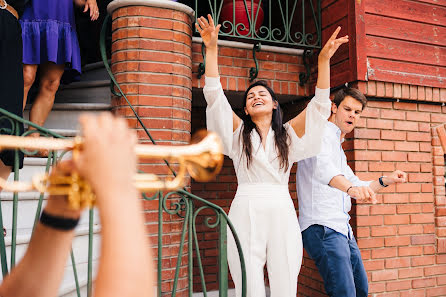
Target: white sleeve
pixel 355 180
pixel 219 113
pixel 317 113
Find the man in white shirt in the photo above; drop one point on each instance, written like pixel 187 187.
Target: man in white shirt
pixel 325 184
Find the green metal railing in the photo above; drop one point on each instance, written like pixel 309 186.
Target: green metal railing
pixel 285 23
pixel 16 123
pixel 295 23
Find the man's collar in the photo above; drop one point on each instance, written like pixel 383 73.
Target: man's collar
pixel 335 129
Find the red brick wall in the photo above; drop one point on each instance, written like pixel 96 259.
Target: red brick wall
pixel 280 70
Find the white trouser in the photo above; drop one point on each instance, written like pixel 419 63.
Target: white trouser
pixel 266 223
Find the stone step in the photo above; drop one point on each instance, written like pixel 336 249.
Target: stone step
pixel 27 206
pixel 80 243
pixel 80 250
pixel 94 71
pixel 231 293
pixel 26 213
pixel 31 167
pixel 91 91
pixel 66 132
pixel 65 115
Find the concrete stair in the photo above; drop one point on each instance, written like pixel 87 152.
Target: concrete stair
pixel 97 91
pixel 64 116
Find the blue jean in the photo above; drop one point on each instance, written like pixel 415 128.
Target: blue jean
pixel 338 260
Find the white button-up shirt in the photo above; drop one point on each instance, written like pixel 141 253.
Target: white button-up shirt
pixel 265 164
pixel 320 203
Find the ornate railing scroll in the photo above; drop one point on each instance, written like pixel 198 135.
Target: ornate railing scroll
pixel 291 23
pixel 182 204
pixel 284 23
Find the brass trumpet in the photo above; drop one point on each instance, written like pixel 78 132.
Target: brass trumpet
pixel 202 159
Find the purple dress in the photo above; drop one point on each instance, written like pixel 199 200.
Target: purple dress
pixel 49 34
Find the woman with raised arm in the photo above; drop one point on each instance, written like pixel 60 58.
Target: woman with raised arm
pixel 263 149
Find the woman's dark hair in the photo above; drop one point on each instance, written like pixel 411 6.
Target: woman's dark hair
pixel 280 134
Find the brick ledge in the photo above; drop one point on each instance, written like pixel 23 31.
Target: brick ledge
pixel 265 48
pixel 402 91
pixel 116 4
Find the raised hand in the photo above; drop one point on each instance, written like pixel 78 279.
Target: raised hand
pixel 332 45
pixel 208 31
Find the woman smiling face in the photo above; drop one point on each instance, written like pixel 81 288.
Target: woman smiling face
pixel 259 102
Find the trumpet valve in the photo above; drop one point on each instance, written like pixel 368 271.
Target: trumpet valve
pixel 79 193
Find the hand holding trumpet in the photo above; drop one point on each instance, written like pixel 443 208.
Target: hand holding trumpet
pixel 105 138
pixel 91 171
pixel 107 162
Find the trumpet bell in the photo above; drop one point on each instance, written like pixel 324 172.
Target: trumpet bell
pixel 206 166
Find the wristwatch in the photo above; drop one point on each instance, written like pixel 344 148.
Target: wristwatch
pixel 381 182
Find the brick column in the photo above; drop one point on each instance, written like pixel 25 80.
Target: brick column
pixel 151 60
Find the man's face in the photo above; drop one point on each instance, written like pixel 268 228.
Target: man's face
pixel 347 114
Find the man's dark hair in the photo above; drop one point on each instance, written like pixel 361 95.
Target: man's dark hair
pixel 352 92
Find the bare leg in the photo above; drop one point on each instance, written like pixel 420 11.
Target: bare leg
pixel 49 84
pixel 29 75
pixel 4 170
pixel 4 173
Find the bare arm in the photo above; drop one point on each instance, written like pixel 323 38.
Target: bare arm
pixel 41 269
pixel 363 193
pixel 366 193
pixel 323 78
pixel 125 266
pixel 209 34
